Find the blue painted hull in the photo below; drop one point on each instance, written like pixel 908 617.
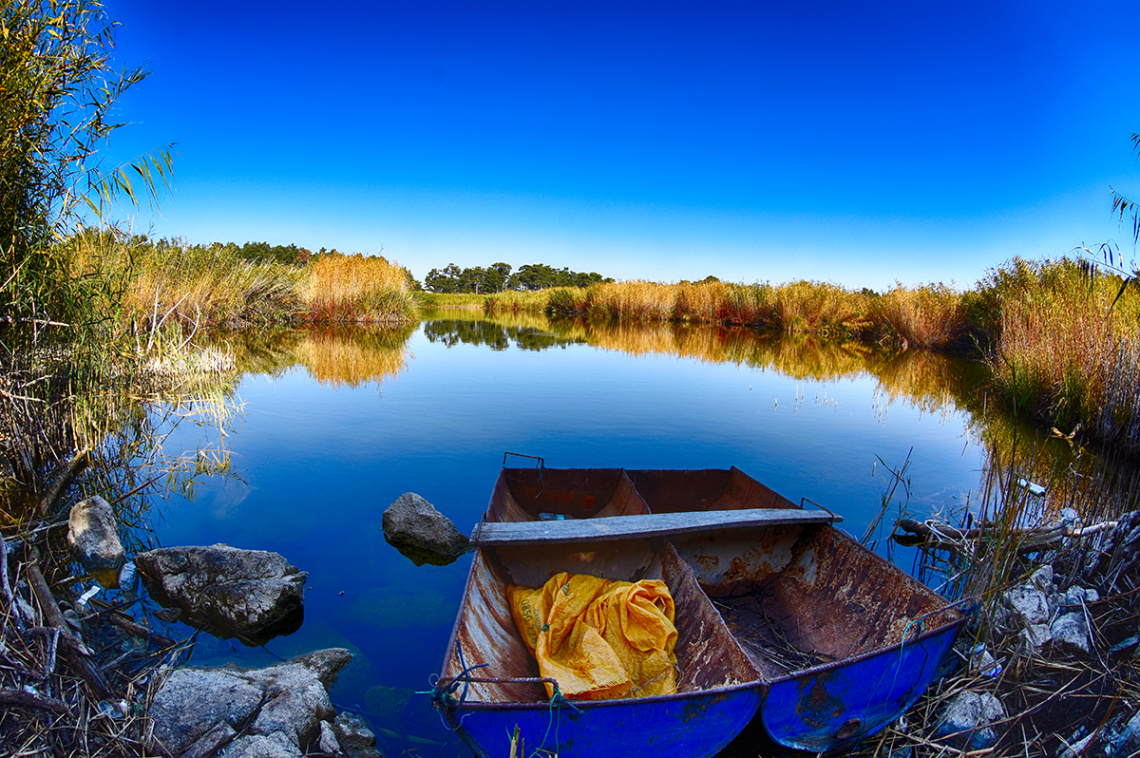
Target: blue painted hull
pixel 832 706
pixel 693 725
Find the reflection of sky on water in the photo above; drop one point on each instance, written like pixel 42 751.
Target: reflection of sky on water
pixel 318 464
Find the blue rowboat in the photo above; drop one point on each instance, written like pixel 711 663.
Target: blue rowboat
pixel 783 614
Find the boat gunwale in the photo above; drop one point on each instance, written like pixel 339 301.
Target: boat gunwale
pixel 583 704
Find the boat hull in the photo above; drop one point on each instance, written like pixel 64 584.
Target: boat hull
pixel 692 724
pixel 828 708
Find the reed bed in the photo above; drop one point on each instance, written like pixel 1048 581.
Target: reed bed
pixel 442 300
pixel 356 288
pixel 531 301
pixel 1067 350
pixel 200 285
pixel 933 316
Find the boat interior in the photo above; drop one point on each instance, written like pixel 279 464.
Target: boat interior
pixel 798 596
pixel 752 604
pixel 707 654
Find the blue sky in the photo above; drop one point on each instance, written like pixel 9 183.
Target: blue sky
pixel 843 142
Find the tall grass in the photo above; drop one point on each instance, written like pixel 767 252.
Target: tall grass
pixel 157 285
pixel 356 288
pixel 1067 350
pixel 933 316
pixel 533 301
pixel 205 285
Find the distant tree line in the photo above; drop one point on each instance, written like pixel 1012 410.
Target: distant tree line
pixel 497 277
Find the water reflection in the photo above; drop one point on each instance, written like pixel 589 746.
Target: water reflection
pixel 320 465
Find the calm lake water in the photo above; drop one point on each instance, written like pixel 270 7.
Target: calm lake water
pixel 335 426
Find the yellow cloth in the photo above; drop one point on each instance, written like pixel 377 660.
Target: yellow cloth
pixel 600 639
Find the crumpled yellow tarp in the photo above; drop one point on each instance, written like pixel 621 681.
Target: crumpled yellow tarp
pixel 598 638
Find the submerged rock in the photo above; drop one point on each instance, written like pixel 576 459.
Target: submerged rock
pixel 92 532
pixel 281 710
pixel 231 592
pixel 422 533
pixel 354 736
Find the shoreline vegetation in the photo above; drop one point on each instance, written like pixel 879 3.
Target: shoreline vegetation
pixel 1062 336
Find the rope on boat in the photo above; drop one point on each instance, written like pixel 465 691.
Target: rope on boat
pixel 443 697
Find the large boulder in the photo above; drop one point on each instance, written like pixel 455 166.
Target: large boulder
pixel 250 594
pixel 422 533
pixel 281 710
pixel 92 532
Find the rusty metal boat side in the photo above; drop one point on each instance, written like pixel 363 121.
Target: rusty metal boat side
pixel 845 641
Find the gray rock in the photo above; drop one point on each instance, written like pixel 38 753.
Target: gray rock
pixel 211 742
pixel 412 522
pixel 92 532
pixel 1070 632
pixel 1042 578
pixel 1037 635
pixel 356 739
pixel 328 743
pixel 1078 597
pixel 224 589
pixel 262 746
pixel 1030 603
pixel 966 720
pixel 191 702
pixel 298 695
pixel 278 710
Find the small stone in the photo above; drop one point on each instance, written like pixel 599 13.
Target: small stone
pixel 1030 603
pixel 328 743
pixel 355 738
pixel 1070 632
pixel 1037 635
pixel 1042 578
pixel 92 532
pixel 966 720
pixel 1075 598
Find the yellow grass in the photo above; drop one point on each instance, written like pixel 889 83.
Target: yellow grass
pixel 339 288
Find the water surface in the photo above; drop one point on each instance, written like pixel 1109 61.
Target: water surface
pixel 336 425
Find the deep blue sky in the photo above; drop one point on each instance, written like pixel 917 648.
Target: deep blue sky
pixel 845 142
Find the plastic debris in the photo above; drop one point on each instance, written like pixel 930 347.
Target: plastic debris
pixel 982 663
pixel 88 595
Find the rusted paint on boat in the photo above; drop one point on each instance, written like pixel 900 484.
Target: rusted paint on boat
pixel 716 682
pixel 831 641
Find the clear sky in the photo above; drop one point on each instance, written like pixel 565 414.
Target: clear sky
pixel 857 143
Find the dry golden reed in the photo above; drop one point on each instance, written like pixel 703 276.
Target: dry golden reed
pixel 339 288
